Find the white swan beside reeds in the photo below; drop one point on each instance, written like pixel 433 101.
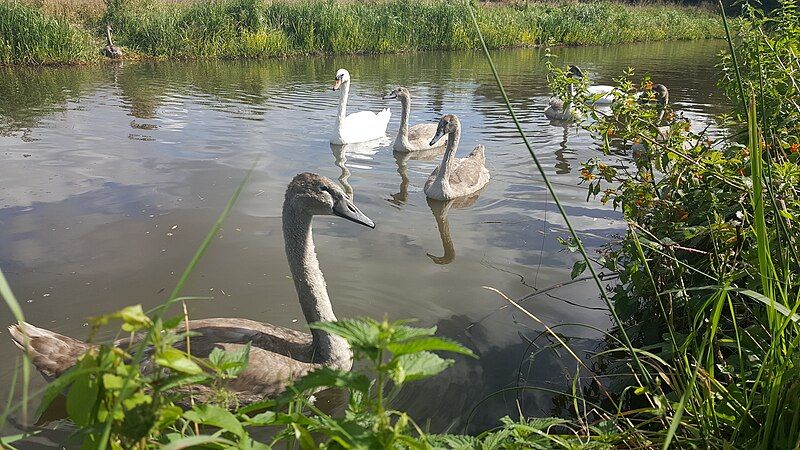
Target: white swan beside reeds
pixel 277 354
pixel 362 126
pixel 456 177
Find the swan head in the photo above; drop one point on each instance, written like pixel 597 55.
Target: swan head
pixel 342 76
pixel 108 27
pixel 449 123
pixel 575 71
pixel 401 93
pixel 316 195
pixel 662 94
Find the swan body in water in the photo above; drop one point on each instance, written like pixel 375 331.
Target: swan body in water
pixel 601 94
pixel 277 354
pixel 111 50
pixel 362 126
pixel 559 109
pixel 414 138
pixel 456 177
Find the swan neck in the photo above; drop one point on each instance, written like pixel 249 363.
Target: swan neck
pixel 406 115
pixel 310 285
pixel 345 92
pixel 450 151
pixel 108 37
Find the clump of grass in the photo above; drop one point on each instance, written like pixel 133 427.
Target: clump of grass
pixel 28 36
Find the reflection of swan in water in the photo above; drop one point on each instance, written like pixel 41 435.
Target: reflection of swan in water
pixel 562 166
pixel 402 158
pixel 362 151
pixel 440 209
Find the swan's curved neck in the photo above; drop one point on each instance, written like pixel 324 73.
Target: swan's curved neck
pixel 450 151
pixel 310 285
pixel 108 37
pixel 345 92
pixel 404 118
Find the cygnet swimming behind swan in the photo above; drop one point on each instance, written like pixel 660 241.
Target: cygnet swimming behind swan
pixel 456 177
pixel 417 137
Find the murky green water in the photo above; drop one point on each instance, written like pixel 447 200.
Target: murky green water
pixel 110 176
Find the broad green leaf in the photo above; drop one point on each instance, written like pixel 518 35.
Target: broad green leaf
pixel 578 268
pixel 428 344
pixel 215 416
pixel 197 442
pixel 111 381
pixel 304 437
pixel 417 366
pixel 177 360
pixel 58 385
pixel 328 377
pixel 81 399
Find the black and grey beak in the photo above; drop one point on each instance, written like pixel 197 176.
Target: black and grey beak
pixel 346 209
pixel 439 133
pixel 392 94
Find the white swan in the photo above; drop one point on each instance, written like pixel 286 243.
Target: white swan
pixel 417 137
pixel 362 126
pixel 456 177
pixel 277 354
pixel 602 95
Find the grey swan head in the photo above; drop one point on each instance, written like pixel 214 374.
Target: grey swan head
pixel 277 354
pixel 413 138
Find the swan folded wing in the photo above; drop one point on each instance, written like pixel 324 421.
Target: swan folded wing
pixel 423 132
pixel 469 170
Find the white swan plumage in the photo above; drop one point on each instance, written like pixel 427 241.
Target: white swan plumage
pixel 602 95
pixel 362 126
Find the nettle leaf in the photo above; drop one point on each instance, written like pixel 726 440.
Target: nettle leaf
pixel 328 377
pixel 232 363
pixel 215 417
pixel 417 366
pixel 578 268
pixel 177 360
pixel 428 344
pixel 362 334
pixel 403 332
pixel 81 399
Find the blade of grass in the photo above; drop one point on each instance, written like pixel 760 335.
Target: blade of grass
pixel 16 310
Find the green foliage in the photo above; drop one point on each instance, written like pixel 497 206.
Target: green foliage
pixel 709 266
pixel 28 36
pixel 256 29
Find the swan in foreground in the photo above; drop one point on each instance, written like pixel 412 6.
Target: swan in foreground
pixel 111 50
pixel 456 177
pixel 602 95
pixel 277 355
pixel 560 110
pixel 362 126
pixel 417 137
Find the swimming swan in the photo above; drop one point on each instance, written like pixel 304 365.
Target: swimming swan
pixel 456 177
pixel 557 108
pixel 417 137
pixel 602 95
pixel 362 126
pixel 111 50
pixel 277 354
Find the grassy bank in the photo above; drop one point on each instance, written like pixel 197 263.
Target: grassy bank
pixel 253 29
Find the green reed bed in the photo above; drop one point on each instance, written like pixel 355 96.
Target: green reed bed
pixel 255 29
pixel 28 36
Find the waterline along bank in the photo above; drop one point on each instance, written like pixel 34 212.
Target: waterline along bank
pixel 74 33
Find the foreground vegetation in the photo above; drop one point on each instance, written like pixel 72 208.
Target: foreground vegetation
pixel 704 354
pixel 253 29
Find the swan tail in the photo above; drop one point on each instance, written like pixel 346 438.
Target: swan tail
pixel 51 353
pixel 478 154
pixel 385 115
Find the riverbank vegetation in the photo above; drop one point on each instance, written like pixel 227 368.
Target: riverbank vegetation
pixel 705 349
pixel 255 29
